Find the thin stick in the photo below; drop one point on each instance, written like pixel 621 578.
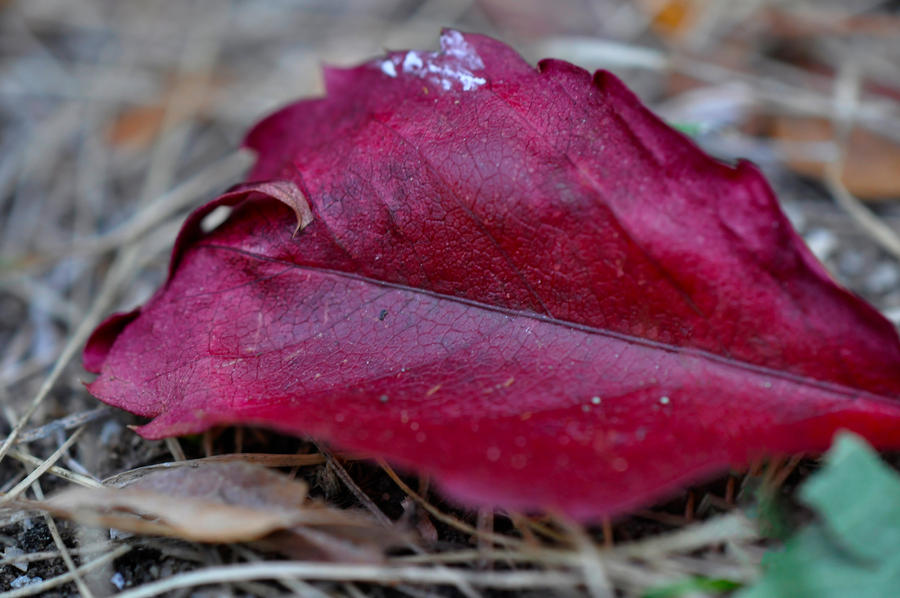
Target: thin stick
pixel 64 553
pixel 352 590
pixel 512 580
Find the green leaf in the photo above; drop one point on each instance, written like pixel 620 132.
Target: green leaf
pixel 692 586
pixel 858 498
pixel 689 129
pixel 852 549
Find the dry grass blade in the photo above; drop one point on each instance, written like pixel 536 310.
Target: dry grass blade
pixel 41 469
pixel 734 527
pixel 33 557
pixel 513 580
pixel 883 234
pixel 589 557
pixel 80 479
pixel 299 588
pixel 119 272
pixel 64 553
pixel 63 424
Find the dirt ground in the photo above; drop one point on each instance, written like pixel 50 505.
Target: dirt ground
pixel 117 117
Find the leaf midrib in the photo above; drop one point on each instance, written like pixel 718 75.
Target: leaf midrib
pixel 831 387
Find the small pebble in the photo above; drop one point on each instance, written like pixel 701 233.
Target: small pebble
pixel 115 534
pixel 893 315
pixel 24 580
pixel 851 263
pixel 884 277
pixel 12 552
pixel 117 580
pixel 795 214
pixel 822 243
pixel 110 432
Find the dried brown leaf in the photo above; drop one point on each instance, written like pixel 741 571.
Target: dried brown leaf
pixel 227 502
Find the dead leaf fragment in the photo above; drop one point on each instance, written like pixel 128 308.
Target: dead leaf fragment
pixel 871 168
pixel 229 502
pixel 223 503
pixel 139 126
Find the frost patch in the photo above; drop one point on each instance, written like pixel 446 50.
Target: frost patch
pixel 452 66
pixel 388 68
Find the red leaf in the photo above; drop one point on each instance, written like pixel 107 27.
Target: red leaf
pixel 518 280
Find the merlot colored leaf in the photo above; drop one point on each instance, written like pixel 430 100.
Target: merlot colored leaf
pixel 518 280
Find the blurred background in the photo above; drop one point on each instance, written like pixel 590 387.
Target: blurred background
pixel 119 116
